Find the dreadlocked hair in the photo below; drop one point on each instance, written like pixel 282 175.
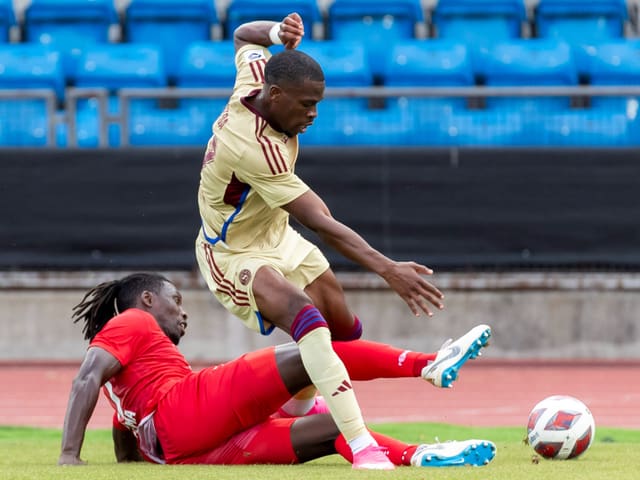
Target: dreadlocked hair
pixel 105 301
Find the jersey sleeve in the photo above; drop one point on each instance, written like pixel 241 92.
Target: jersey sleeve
pixel 250 63
pixel 124 335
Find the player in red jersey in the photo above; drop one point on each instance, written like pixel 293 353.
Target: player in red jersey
pixel 166 413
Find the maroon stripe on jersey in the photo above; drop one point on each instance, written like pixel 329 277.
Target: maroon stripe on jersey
pixel 262 63
pixel 233 192
pixel 225 286
pixel 260 126
pixel 257 70
pixel 276 154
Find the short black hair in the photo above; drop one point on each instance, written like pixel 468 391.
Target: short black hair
pixel 105 301
pixel 292 67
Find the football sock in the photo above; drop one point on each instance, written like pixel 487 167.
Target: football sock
pixel 399 453
pixel 327 372
pixel 369 360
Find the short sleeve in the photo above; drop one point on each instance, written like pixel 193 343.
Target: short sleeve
pixel 124 335
pixel 250 63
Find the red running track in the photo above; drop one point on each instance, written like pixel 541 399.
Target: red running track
pixel 488 393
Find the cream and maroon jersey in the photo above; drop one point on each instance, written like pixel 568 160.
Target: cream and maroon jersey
pixel 248 168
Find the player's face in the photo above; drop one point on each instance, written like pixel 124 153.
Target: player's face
pixel 295 108
pixel 168 312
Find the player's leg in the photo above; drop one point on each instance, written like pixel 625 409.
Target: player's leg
pixel 288 307
pixel 328 296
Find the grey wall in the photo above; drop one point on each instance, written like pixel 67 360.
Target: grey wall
pixel 555 316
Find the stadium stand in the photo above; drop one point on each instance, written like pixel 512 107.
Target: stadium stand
pixel 69 25
pixel 577 21
pixel 479 24
pixel 31 83
pixel 368 49
pixel 7 19
pixel 379 23
pixel 204 65
pixel 241 11
pixel 170 24
pixel 345 64
pixel 114 67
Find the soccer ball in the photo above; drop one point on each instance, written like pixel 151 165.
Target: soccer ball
pixel 560 427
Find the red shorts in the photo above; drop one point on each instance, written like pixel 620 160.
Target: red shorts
pixel 220 415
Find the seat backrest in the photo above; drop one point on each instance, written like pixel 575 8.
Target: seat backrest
pixel 74 22
pixel 207 65
pixel 428 63
pixel 614 63
pixel 577 21
pixel 7 19
pixel 115 66
pixel 170 24
pixel 535 62
pixel 377 23
pixel 345 63
pixel 29 66
pixel 479 22
pixel 242 11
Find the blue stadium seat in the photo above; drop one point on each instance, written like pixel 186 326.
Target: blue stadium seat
pixel 117 66
pixel 378 23
pixel 479 23
pixel 25 121
pixel 204 65
pixel 69 25
pixel 536 62
pixel 614 63
pixel 428 63
pixel 171 24
pixel 208 64
pixel 580 128
pixel 7 19
pixel 579 21
pixel 242 11
pixel 344 62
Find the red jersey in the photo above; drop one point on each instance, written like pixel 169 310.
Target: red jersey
pixel 151 364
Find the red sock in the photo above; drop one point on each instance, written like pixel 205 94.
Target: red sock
pixel 399 453
pixel 369 360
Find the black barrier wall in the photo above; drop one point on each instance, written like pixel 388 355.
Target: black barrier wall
pixel 450 209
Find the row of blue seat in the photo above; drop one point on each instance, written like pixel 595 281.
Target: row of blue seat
pixel 173 24
pixel 417 63
pixel 190 124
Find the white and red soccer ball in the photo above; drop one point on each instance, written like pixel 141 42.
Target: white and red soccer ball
pixel 560 427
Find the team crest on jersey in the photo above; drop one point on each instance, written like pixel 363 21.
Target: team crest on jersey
pixel 253 55
pixel 244 276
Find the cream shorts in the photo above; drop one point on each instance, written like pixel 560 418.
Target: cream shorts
pixel 229 274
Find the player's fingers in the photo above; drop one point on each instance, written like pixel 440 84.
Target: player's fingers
pixel 424 307
pixel 430 289
pixel 422 269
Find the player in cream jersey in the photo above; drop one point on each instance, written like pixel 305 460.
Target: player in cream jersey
pixel 248 170
pixel 258 266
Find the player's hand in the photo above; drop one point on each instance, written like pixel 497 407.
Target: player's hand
pixel 68 459
pixel 406 279
pixel 291 31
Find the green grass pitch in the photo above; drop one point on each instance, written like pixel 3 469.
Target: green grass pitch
pixel 29 453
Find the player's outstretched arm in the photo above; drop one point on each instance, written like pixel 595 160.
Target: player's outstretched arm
pixel 405 278
pixel 97 367
pixel 266 33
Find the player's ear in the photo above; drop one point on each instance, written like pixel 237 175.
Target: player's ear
pixel 274 93
pixel 146 298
